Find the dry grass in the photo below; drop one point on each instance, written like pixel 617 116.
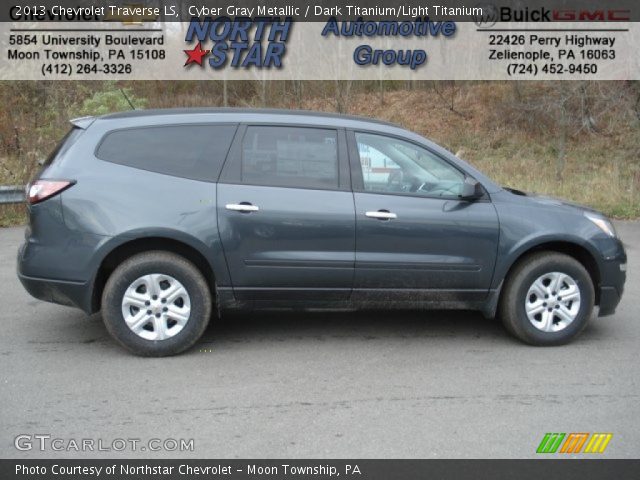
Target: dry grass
pixel 602 170
pixel 11 215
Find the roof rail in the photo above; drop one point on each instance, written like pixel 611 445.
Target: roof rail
pixel 227 110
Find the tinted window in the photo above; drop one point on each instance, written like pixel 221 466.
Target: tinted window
pixel 390 165
pixel 290 157
pixel 189 151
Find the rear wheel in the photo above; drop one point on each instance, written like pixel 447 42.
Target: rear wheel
pixel 548 299
pixel 156 304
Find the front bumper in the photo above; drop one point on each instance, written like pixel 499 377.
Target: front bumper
pixel 609 300
pixel 613 275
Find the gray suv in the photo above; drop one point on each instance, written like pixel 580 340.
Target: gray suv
pixel 159 218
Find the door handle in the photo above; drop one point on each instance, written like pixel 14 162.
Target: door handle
pixel 382 215
pixel 242 207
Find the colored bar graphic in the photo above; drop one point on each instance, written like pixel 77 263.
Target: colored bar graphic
pixel 550 443
pixel 598 443
pixel 574 443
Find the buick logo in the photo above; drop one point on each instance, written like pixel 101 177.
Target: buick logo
pixel 489 16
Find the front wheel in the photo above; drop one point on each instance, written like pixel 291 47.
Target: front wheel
pixel 156 304
pixel 548 299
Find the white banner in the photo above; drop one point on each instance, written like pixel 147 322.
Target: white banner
pixel 391 50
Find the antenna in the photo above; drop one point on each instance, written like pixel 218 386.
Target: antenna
pixel 127 99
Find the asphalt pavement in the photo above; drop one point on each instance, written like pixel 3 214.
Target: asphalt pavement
pixel 314 385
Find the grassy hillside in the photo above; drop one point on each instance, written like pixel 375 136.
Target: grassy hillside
pixel 600 169
pixel 576 140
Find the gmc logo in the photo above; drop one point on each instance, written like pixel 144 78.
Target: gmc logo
pixel 592 15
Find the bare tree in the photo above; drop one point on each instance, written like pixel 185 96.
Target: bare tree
pixel 298 89
pixel 342 95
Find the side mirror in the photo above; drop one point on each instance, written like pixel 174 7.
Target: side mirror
pixel 471 190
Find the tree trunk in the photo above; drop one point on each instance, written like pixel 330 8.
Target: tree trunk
pixel 263 93
pixel 225 94
pixel 343 90
pixel 563 127
pixel 562 143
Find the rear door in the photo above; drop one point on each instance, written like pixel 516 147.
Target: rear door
pixel 415 239
pixel 286 215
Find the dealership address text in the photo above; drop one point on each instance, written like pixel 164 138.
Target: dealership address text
pixel 535 54
pixel 82 56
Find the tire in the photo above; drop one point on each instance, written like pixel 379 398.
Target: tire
pixel 166 332
pixel 526 290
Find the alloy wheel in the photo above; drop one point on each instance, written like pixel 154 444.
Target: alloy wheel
pixel 156 307
pixel 553 302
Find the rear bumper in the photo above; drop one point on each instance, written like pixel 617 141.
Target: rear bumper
pixel 62 292
pixel 71 294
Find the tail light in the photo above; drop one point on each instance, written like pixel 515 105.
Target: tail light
pixel 40 190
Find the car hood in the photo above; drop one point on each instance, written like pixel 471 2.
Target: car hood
pixel 551 201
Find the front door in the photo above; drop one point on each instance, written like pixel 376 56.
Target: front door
pixel 414 237
pixel 286 216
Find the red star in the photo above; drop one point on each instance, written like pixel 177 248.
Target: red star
pixel 195 55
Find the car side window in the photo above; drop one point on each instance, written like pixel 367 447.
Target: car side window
pixel 390 165
pixel 290 157
pixel 188 151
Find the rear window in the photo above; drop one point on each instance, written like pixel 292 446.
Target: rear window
pixel 188 151
pixel 63 145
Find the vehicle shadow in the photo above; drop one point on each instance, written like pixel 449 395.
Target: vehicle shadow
pixel 366 325
pixel 234 329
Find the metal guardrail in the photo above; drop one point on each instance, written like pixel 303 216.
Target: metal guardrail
pixel 11 194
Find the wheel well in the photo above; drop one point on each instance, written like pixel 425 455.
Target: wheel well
pixel 140 245
pixel 573 250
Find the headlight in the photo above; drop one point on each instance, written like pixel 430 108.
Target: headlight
pixel 603 224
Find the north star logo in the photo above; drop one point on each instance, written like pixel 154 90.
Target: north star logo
pixel 239 43
pixel 196 55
